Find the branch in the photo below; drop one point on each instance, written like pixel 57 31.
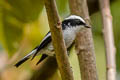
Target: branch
pixel 108 39
pixel 84 42
pixel 93 7
pixel 58 41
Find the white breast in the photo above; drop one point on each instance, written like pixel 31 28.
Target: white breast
pixel 70 34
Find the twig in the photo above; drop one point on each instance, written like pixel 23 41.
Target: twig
pixel 58 41
pixel 84 42
pixel 108 39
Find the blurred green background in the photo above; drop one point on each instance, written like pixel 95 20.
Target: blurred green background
pixel 23 24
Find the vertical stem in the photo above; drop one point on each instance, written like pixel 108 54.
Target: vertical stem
pixel 108 39
pixel 84 42
pixel 58 41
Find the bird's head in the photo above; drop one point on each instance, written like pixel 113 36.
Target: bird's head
pixel 74 21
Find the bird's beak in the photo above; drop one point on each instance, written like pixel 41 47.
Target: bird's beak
pixel 87 26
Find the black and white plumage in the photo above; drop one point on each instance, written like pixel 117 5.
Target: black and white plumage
pixel 70 27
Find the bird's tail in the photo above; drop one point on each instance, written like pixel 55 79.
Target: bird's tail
pixel 26 57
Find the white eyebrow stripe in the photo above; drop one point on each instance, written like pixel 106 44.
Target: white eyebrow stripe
pixel 75 17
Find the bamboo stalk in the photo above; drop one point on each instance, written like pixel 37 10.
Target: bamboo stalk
pixel 84 42
pixel 108 39
pixel 58 41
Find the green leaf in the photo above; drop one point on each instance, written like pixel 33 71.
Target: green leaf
pixel 25 10
pixel 10 32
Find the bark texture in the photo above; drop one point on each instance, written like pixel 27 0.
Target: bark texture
pixel 58 41
pixel 84 42
pixel 108 39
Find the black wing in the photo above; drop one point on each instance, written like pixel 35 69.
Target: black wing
pixel 44 43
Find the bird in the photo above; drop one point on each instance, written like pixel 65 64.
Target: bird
pixel 71 26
